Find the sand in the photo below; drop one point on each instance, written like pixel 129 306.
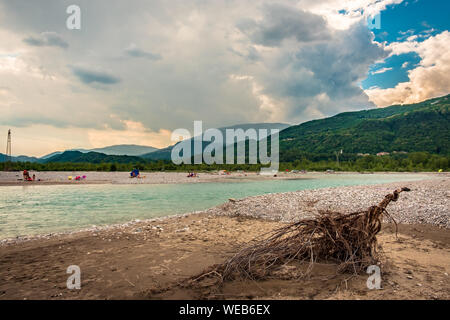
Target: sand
pixel 93 177
pixel 137 260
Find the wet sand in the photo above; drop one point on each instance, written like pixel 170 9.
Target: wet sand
pixel 136 262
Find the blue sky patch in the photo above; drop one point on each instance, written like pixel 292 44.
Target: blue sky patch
pixel 392 71
pixel 419 19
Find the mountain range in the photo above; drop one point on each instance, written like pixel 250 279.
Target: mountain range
pixel 165 154
pixel 86 155
pixel 116 150
pixel 423 126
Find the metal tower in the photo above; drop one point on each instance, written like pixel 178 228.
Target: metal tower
pixel 8 157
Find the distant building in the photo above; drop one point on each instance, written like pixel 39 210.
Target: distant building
pixel 379 154
pixel 401 152
pixel 363 154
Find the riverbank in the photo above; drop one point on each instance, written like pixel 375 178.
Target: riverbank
pixel 136 260
pixel 94 177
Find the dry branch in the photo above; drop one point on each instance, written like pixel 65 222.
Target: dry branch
pixel 346 239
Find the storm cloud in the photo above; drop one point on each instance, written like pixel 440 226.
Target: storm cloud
pixel 281 22
pixel 46 39
pixel 163 64
pixel 91 76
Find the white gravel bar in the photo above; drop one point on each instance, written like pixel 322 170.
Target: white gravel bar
pixel 427 202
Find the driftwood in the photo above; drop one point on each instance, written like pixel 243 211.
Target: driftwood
pixel 349 240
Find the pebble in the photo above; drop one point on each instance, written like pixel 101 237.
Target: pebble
pixel 427 202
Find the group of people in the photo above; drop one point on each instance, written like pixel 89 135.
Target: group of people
pixel 77 178
pixel 27 177
pixel 192 175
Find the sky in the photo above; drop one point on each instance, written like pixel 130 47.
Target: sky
pixel 137 70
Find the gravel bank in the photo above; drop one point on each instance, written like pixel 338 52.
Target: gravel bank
pixel 427 202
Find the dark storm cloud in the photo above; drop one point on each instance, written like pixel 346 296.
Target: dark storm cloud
pixel 90 77
pixel 281 22
pixel 325 75
pixel 136 52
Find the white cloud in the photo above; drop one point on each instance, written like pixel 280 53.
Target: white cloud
pixel 355 10
pixel 431 78
pixel 382 70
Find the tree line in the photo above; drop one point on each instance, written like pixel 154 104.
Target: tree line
pixel 416 161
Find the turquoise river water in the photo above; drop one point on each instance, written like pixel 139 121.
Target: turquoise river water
pixel 31 210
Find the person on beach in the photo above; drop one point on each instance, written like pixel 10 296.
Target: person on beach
pixel 135 173
pixel 26 175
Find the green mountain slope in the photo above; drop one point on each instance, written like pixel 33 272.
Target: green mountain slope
pixel 91 157
pixel 423 126
pixel 118 150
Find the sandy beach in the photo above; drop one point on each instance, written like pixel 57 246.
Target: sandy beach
pixel 141 259
pixel 93 177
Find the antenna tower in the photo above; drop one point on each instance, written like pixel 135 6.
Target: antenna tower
pixel 8 157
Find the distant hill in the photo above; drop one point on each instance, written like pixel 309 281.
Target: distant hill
pixel 165 154
pixel 125 149
pixel 19 158
pixel 121 149
pixel 91 157
pixel 423 126
pixel 50 155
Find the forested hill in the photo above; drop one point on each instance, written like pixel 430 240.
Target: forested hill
pixel 91 157
pixel 423 126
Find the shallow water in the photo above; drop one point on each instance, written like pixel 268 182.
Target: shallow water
pixel 31 210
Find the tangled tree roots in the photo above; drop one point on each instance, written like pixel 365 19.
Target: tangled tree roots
pixel 346 239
